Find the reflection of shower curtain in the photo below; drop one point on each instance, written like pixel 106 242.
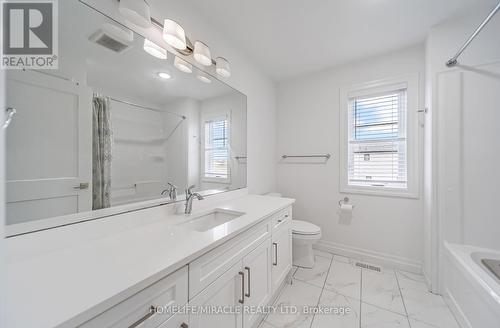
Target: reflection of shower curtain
pixel 101 153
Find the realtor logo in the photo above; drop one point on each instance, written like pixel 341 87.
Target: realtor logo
pixel 29 38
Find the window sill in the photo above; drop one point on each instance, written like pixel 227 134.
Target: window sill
pixel 380 192
pixel 216 180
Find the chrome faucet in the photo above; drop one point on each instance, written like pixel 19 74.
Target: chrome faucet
pixel 190 195
pixel 172 191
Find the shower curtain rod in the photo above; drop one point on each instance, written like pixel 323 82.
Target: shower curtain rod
pixel 145 107
pixel 454 60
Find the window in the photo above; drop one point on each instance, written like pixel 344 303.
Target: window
pixel 379 138
pixel 216 149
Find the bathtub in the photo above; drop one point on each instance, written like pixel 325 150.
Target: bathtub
pixel 471 290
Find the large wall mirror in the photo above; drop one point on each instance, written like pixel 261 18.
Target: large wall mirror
pixel 114 128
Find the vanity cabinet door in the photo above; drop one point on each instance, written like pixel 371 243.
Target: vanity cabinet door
pixel 225 293
pixel 258 289
pixel 281 255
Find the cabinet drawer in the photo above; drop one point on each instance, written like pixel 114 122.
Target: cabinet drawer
pixel 206 269
pixel 281 219
pixel 136 311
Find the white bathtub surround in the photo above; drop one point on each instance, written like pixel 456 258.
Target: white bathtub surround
pixel 74 262
pixel 461 202
pixel 472 292
pixel 365 310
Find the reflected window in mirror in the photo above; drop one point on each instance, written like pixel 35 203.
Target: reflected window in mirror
pixel 216 150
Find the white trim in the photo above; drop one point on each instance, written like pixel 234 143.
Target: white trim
pixel 383 259
pixel 411 82
pixel 207 118
pixel 456 310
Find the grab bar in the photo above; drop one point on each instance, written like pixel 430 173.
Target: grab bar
pixel 11 111
pixel 327 156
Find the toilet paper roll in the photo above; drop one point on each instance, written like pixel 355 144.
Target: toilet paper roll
pixel 345 213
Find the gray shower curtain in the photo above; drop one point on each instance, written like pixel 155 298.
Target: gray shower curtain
pixel 102 139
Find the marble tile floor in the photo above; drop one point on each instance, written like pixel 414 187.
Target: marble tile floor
pixel 357 298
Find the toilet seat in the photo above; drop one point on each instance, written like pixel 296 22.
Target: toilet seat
pixel 300 227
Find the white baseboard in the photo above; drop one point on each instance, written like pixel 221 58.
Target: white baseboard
pixel 456 310
pixel 383 259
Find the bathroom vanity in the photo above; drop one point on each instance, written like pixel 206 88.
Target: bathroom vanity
pixel 131 269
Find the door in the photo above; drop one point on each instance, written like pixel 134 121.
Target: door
pixel 257 266
pixel 225 293
pixel 281 256
pixel 48 147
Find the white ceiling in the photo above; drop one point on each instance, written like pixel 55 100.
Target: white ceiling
pixel 287 38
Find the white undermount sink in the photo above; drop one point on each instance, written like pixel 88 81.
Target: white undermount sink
pixel 206 221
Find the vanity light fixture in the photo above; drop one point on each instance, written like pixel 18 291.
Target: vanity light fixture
pixel 203 77
pixel 136 12
pixel 222 67
pixel 154 50
pixel 201 53
pixel 183 65
pixel 164 75
pixel 173 34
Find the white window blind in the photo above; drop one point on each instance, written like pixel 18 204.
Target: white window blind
pixel 217 149
pixel 377 150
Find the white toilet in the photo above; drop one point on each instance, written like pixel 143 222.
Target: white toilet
pixel 304 235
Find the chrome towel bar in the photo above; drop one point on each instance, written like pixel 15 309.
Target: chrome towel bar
pixel 326 156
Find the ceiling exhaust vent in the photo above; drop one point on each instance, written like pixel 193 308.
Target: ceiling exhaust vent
pixel 113 37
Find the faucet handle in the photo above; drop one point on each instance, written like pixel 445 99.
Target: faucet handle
pixel 189 190
pixel 172 186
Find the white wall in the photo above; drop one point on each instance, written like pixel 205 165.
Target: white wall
pixel 387 229
pixel 464 104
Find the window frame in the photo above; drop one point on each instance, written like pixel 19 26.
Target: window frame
pixel 206 119
pixel 411 84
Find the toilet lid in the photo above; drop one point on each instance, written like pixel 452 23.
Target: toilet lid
pixel 305 228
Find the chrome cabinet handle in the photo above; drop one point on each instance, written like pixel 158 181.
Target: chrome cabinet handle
pixel 11 111
pixel 249 287
pixel 242 274
pixel 275 263
pixel 82 186
pixel 151 312
pixel 184 325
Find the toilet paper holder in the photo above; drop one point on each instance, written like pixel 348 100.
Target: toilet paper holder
pixel 344 201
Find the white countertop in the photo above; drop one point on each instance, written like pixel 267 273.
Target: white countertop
pixel 77 272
